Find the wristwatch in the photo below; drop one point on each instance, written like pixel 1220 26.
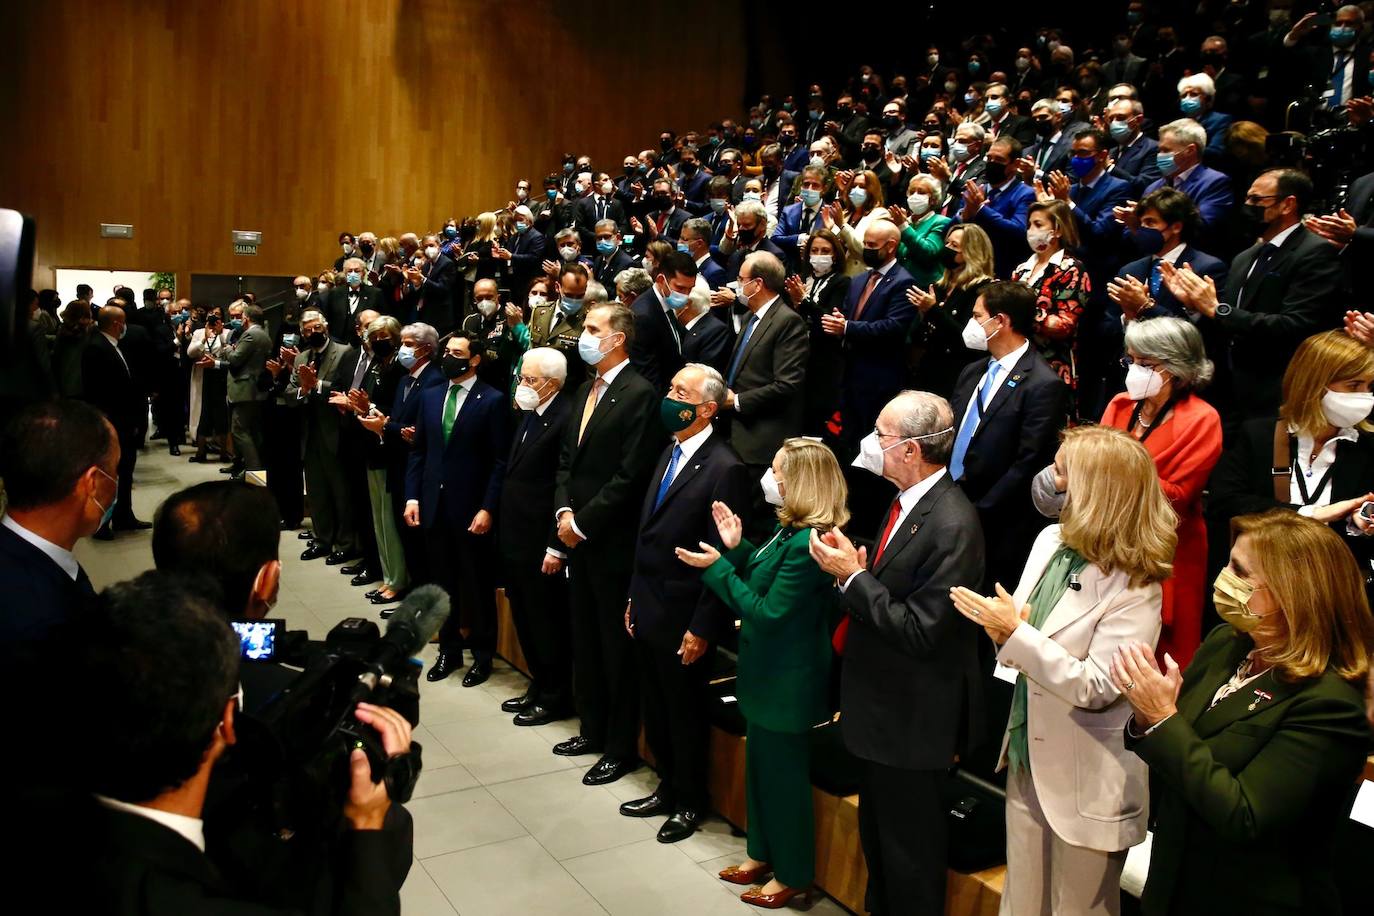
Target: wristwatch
pixel 1224 309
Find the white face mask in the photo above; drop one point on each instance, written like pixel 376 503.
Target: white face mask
pixel 537 300
pixel 919 204
pixel 526 398
pixel 821 263
pixel 1145 382
pixel 487 307
pixel 871 451
pixel 1039 239
pixel 976 336
pixel 1346 408
pixel 302 292
pixel 606 188
pixel 432 252
pixel 771 492
pixel 568 252
pixel 322 287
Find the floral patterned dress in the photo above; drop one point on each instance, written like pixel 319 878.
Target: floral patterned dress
pixel 1061 293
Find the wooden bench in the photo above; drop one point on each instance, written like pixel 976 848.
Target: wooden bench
pixel 840 868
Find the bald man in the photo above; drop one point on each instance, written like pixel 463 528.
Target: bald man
pixel 109 384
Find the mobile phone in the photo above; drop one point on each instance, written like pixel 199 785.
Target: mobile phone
pixel 258 638
pixel 1367 512
pixel 1323 20
pixel 289 340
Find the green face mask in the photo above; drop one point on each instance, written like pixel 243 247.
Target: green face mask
pixel 1231 595
pixel 677 415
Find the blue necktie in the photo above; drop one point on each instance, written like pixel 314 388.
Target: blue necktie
pixel 668 476
pixel 1156 278
pixel 1338 81
pixel 739 354
pixel 970 424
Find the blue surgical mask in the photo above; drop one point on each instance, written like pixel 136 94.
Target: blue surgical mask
pixel 234 324
pixel 1165 161
pixel 995 107
pixel 753 195
pixel 589 348
pixel 1121 131
pixel 970 99
pixel 1190 106
pixel 718 204
pixel 857 196
pixel 959 150
pixel 569 304
pixel 810 197
pixel 1082 166
pixel 354 278
pixel 1342 35
pixel 684 248
pixel 450 232
pixel 406 356
pixel 931 152
pixel 521 226
pixel 676 300
pixel 1065 108
pixel 605 246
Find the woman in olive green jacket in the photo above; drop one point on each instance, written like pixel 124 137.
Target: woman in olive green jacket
pixel 1254 753
pixel 782 598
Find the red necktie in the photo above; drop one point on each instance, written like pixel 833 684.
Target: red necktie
pixel 841 635
pixel 873 278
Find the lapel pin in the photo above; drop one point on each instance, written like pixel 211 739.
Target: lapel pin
pixel 914 528
pixel 1011 383
pixel 1260 697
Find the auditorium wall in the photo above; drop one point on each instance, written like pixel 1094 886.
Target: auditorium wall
pixel 299 119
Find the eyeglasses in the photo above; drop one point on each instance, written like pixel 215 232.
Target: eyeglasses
pixel 531 380
pixel 1256 198
pixel 1127 362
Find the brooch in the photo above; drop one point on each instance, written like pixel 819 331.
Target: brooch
pixel 1260 697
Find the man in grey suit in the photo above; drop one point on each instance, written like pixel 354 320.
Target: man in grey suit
pixel 246 361
pixel 764 373
pixel 331 514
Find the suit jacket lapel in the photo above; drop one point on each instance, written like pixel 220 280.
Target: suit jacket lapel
pixel 1007 388
pixel 607 402
pixel 909 524
pixel 464 409
pixel 1252 698
pixel 758 332
pixel 1075 603
pixel 686 471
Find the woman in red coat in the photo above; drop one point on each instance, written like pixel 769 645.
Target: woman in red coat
pixel 1182 432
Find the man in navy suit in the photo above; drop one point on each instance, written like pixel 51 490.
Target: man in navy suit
pixel 59 461
pixel 1181 145
pixel 718 197
pixel 693 180
pixel 665 217
pixel 674 621
pixel 599 205
pixel 705 338
pixel 795 153
pixel 611 257
pixel 453 487
pixel 527 252
pixel 418 356
pixel 1000 206
pixel 1051 153
pixel 751 224
pixel 797 221
pixel 694 239
pixel 777 184
pixel 656 348
pixel 1351 231
pixel 1133 160
pixel 873 328
pixel 1008 411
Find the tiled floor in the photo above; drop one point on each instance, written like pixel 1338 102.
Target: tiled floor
pixel 501 824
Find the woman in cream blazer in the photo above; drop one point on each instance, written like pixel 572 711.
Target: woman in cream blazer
pixel 1076 800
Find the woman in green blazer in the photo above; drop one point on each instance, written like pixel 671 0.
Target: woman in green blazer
pixel 1254 753
pixel 783 600
pixel 921 250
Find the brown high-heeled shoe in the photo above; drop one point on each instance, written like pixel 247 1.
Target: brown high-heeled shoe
pixel 746 876
pixel 756 897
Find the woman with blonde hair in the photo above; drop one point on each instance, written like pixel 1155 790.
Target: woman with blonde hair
pixel 479 262
pixel 946 308
pixel 1060 282
pixel 859 202
pixel 1254 753
pixel 1322 440
pixel 1076 798
pixel 781 597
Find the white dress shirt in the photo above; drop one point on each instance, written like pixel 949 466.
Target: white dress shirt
pixel 1008 363
pixel 1035 273
pixel 59 555
pixel 608 379
pixel 463 388
pixel 689 447
pixel 1313 470
pixel 763 310
pixel 114 342
pixel 192 829
pixel 908 500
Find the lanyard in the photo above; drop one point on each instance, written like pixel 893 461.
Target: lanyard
pixel 1300 476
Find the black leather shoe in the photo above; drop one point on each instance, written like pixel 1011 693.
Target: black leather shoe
pixel 517 704
pixel 362 578
pixel 477 674
pixel 387 612
pixel 232 469
pixel 337 558
pixel 306 535
pixel 575 747
pixel 540 715
pixel 315 551
pixel 352 569
pixel 379 598
pixel 679 827
pixel 648 806
pixel 131 524
pixel 104 534
pixel 375 591
pixel 444 665
pixel 174 451
pixel 607 770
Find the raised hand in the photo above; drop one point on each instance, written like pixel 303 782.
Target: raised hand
pixel 728 525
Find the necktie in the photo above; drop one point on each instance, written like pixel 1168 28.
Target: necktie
pixel 525 425
pixel 592 397
pixel 1338 81
pixel 807 217
pixel 739 353
pixel 668 476
pixel 450 410
pixel 1156 277
pixel 600 209
pixel 363 362
pixel 893 515
pixel 970 424
pixel 407 383
pixel 1256 275
pixel 873 278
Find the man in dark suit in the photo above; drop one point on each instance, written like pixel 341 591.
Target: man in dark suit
pixel 1008 411
pixel 751 228
pixel 911 691
pixel 598 205
pixel 777 183
pixel 664 218
pixel 675 621
pixel 246 362
pixel 433 288
pixel 847 127
pixel 1001 107
pixel 1335 59
pixel 694 238
pixel 765 372
pixel 612 440
pixel 1133 159
pixel 167 658
pixel 1000 205
pixel 705 338
pixel 693 180
pixel 611 258
pixel 873 330
pixel 1124 67
pixel 1351 231
pixel 108 383
pixel 965 163
pixel 1280 291
pixel 309 389
pixel 656 350
pixel 798 220
pixel 348 299
pixel 453 489
pixel 535 584
pixel 1056 133
pixel 527 252
pixel 355 445
pixel 59 461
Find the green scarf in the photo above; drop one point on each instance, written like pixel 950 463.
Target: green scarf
pixel 1064 563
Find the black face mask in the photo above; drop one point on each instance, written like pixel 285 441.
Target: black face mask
pixel 843 112
pixel 744 236
pixel 381 349
pixel 1044 128
pixel 315 340
pixel 1253 214
pixel 454 366
pixel 893 122
pixel 947 258
pixel 365 248
pixel 871 153
pixel 665 145
pixel 995 172
pixel 689 168
pixel 787 141
pixel 770 172
pixel 662 201
pixel 873 257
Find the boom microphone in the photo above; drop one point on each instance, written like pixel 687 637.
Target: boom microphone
pixel 415 622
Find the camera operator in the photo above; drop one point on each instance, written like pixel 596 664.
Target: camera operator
pixel 223 536
pixel 160 654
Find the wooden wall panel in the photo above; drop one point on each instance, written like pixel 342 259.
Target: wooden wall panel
pixel 190 118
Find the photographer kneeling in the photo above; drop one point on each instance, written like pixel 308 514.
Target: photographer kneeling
pixel 166 667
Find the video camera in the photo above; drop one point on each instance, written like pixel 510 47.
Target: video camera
pixel 310 727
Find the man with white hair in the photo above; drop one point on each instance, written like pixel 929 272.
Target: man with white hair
pixel 705 338
pixel 1181 144
pixel 348 299
pixel 527 253
pixel 432 287
pixel 611 257
pixel 532 557
pixel 1197 95
pixel 419 357
pixel 1335 58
